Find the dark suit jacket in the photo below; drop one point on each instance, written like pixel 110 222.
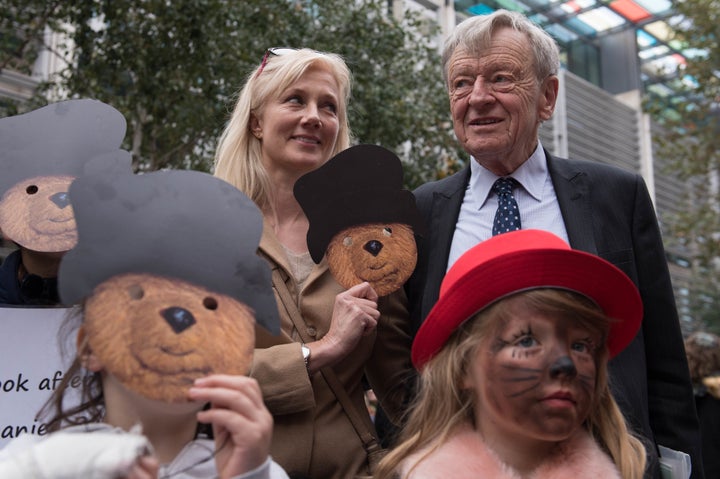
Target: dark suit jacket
pixel 608 212
pixel 708 408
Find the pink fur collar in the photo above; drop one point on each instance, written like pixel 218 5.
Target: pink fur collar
pixel 465 455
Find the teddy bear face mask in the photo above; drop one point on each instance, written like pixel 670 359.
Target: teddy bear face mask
pixel 166 266
pixel 37 214
pixel 362 218
pixel 157 335
pixel 383 254
pixel 43 152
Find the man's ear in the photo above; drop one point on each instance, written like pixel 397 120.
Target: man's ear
pixel 548 97
pixel 255 126
pixel 88 359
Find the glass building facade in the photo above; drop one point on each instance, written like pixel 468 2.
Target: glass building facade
pixel 618 45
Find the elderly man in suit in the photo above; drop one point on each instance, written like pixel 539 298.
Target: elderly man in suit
pixel 501 74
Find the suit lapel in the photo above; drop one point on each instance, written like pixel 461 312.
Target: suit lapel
pixel 573 193
pixel 572 188
pixel 444 213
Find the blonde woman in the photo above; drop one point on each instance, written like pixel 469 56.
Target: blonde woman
pixel 290 118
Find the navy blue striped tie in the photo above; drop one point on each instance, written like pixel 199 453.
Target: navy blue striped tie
pixel 507 216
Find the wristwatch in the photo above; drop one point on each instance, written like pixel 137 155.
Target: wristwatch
pixel 306 354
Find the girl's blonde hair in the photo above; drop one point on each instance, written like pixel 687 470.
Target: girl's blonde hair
pixel 442 404
pixel 238 157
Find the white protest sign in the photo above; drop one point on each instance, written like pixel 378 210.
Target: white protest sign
pixel 31 367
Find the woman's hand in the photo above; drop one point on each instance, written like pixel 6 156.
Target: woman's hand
pixel 242 425
pixel 355 314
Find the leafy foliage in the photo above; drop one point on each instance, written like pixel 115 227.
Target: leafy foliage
pixel 22 34
pixel 691 144
pixel 22 29
pixel 173 68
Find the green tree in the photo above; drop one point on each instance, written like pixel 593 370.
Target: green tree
pixel 22 27
pixel 22 34
pixel 173 68
pixel 691 143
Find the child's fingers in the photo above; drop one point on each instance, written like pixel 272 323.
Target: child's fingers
pixel 244 384
pixel 239 417
pixel 233 392
pixel 146 467
pixel 227 399
pixel 235 423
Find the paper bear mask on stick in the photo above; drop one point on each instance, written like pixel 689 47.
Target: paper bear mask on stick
pixel 167 264
pixel 361 216
pixel 41 153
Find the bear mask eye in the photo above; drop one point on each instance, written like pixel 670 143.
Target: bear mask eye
pixel 210 303
pixel 31 190
pixel 387 231
pixel 136 292
pixel 347 241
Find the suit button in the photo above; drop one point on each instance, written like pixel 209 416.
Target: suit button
pixel 311 331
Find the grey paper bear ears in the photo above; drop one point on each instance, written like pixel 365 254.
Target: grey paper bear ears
pixel 360 185
pixel 178 224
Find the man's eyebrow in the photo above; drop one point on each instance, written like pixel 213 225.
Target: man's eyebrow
pixel 462 70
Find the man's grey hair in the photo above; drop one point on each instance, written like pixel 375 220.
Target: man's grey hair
pixel 474 34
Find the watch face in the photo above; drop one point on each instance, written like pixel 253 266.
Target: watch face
pixel 305 352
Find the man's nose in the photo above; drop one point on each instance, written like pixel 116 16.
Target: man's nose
pixel 482 92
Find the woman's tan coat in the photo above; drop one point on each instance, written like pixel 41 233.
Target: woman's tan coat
pixel 312 434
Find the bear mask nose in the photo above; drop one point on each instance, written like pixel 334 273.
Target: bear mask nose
pixel 179 319
pixel 373 247
pixel 61 199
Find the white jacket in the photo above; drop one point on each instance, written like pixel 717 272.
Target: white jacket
pixel 101 451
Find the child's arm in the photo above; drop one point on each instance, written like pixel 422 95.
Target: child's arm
pixel 242 425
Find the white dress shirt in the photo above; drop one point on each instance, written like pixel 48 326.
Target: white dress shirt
pixel 536 199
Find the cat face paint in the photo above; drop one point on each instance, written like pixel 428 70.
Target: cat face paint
pixel 534 378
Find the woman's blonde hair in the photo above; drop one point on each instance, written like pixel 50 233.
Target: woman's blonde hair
pixel 442 404
pixel 238 157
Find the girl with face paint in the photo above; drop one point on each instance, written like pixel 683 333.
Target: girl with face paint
pixel 513 368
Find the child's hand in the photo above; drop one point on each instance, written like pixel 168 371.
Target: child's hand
pixel 146 467
pixel 242 425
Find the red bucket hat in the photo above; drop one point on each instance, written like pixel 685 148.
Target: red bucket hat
pixel 524 260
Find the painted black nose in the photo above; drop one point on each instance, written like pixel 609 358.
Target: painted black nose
pixel 373 247
pixel 179 319
pixel 61 199
pixel 563 366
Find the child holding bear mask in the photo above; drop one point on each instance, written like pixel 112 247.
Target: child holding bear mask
pixel 513 361
pixel 167 334
pixel 43 151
